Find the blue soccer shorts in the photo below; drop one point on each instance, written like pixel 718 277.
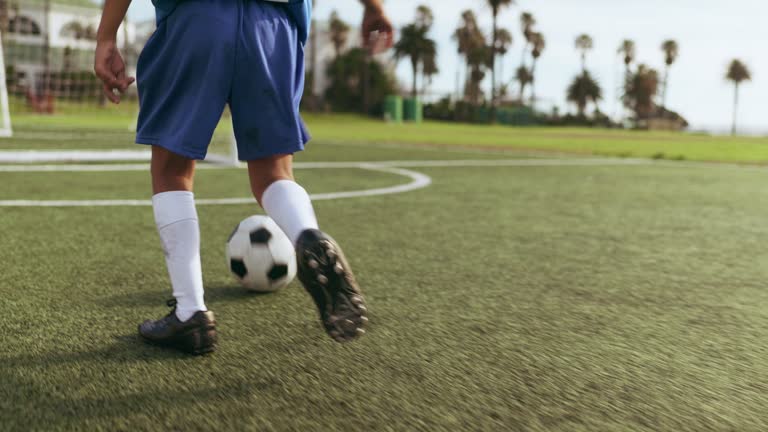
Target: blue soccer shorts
pixel 210 53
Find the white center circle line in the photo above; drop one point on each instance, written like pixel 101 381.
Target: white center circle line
pixel 418 181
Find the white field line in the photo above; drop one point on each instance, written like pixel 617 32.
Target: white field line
pixel 566 162
pixel 418 181
pixel 42 156
pixel 27 156
pixel 364 165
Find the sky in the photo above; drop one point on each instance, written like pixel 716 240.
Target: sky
pixel 710 34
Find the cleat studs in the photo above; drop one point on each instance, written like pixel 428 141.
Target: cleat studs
pixel 313 264
pixel 338 268
pixel 349 322
pixel 363 320
pixel 360 332
pixel 322 279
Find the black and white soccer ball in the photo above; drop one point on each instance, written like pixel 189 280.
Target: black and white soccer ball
pixel 260 255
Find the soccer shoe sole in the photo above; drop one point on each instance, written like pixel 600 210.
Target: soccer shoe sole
pixel 193 341
pixel 326 275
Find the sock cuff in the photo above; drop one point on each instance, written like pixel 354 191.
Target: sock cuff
pixel 276 189
pixel 172 207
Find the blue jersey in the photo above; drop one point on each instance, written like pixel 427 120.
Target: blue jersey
pixel 299 10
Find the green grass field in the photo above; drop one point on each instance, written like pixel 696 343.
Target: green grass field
pixel 548 293
pixel 110 128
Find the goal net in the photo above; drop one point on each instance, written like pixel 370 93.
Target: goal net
pixel 51 96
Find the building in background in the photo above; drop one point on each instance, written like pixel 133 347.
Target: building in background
pixel 48 48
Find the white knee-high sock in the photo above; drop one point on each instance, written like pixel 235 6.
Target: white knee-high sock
pixel 176 219
pixel 289 205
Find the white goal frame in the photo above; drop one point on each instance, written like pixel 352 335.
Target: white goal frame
pixel 6 131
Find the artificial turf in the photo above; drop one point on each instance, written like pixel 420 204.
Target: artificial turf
pixel 537 298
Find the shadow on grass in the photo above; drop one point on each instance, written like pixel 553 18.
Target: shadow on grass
pixel 214 294
pixel 126 349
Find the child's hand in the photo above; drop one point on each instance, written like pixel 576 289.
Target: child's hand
pixel 377 29
pixel 110 68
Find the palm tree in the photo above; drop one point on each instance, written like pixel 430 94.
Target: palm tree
pixel 527 21
pixel 471 42
pixel 628 50
pixel 478 59
pixel 584 44
pixel 641 89
pixel 523 77
pixel 429 69
pixel 496 7
pixel 538 44
pixel 416 45
pixel 464 33
pixel 410 45
pixel 671 51
pixel 339 33
pixel 503 42
pixel 737 73
pixel 424 17
pixel 583 90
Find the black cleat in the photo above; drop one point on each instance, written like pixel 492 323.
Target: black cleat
pixel 195 336
pixel 326 275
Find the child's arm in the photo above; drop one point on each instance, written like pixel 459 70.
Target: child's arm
pixel 377 29
pixel 109 65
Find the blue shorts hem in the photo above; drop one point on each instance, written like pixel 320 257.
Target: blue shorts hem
pixel 157 142
pixel 263 154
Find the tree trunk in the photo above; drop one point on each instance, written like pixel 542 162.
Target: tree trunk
pixel 458 79
pixel 533 84
pixel 501 73
pixel 525 54
pixel 366 83
pixel 735 107
pixel 467 79
pixel 415 68
pixel 664 90
pixel 493 65
pixel 627 76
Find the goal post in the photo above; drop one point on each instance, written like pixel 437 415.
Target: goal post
pixel 55 101
pixel 6 131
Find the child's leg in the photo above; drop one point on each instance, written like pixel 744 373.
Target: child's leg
pixel 282 198
pixel 322 267
pixel 176 218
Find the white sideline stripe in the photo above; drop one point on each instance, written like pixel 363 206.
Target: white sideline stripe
pixel 74 156
pixel 31 156
pixel 418 181
pixel 363 165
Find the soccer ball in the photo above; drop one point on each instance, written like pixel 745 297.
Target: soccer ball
pixel 260 255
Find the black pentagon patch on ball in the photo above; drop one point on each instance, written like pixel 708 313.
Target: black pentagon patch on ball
pixel 234 231
pixel 279 271
pixel 238 267
pixel 260 236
